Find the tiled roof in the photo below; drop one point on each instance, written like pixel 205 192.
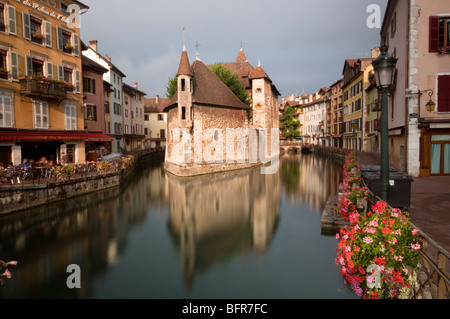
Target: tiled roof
pixel 151 106
pixel 184 67
pixel 241 57
pixel 209 89
pixel 259 73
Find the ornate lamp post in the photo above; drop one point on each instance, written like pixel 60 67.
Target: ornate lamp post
pixel 384 67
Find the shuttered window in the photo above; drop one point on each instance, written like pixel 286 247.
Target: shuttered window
pixel 12 26
pixel 6 111
pixel 439 33
pixel 41 115
pixel 48 34
pixel 443 93
pixel 14 60
pixel 71 117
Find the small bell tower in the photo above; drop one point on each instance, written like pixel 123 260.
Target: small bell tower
pixel 185 91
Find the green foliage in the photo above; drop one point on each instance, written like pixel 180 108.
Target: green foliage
pixel 171 87
pixel 290 126
pixel 231 80
pixel 226 75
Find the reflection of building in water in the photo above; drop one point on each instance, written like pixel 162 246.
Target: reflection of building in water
pixel 214 217
pixel 310 178
pixel 90 231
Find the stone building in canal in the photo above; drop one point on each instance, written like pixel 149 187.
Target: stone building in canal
pixel 209 129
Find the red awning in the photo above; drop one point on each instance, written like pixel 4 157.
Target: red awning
pixel 99 137
pixel 41 136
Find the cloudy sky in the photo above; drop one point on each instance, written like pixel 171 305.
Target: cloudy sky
pixel 301 44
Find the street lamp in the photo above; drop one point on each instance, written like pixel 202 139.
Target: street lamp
pixel 384 67
pixel 355 126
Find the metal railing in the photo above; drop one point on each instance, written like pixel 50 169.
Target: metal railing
pixel 434 265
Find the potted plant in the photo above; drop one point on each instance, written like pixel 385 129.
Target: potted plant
pixel 3 71
pixel 444 50
pixel 37 35
pixel 68 47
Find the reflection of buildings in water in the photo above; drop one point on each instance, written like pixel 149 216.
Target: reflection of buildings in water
pixel 47 239
pixel 213 217
pixel 310 178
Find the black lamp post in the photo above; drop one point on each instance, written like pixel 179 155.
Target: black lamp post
pixel 384 67
pixel 355 126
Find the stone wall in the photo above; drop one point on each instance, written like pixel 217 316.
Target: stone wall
pixel 14 198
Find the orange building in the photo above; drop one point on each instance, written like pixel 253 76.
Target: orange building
pixel 40 81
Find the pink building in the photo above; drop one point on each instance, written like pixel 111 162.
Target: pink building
pixel 417 33
pixel 94 115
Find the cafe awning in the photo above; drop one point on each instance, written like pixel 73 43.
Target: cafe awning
pixel 41 136
pixel 99 137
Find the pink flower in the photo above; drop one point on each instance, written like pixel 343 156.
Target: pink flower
pixel 337 236
pixel 415 246
pixel 415 231
pixel 368 240
pixel 7 273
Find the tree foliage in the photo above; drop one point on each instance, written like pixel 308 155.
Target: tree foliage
pixel 290 126
pixel 171 87
pixel 226 75
pixel 231 80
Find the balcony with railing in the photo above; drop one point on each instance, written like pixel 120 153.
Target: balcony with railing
pixel 44 88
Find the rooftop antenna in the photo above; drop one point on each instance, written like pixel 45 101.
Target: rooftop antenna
pixel 197 45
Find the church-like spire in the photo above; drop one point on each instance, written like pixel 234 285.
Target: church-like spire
pixel 184 67
pixel 241 56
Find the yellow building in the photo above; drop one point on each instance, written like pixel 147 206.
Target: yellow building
pixel 40 82
pixel 372 117
pixel 356 80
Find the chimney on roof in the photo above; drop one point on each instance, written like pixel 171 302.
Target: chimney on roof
pixel 157 98
pixel 375 52
pixel 107 57
pixel 94 45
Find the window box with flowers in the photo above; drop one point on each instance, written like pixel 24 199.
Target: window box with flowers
pixel 3 73
pixel 443 50
pixel 37 36
pixel 68 48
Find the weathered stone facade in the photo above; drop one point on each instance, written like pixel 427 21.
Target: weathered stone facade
pixel 211 130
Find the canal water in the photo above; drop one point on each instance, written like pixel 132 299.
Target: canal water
pixel 232 235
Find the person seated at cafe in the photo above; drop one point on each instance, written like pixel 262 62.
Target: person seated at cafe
pixel 43 162
pixel 26 165
pixel 65 159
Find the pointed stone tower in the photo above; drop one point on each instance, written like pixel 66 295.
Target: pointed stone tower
pixel 185 91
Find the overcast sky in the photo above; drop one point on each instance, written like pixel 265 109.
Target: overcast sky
pixel 301 44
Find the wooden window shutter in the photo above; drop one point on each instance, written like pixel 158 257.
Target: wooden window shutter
pixel 48 34
pixel 434 34
pixel 77 81
pixel 76 44
pixel 60 39
pixel 50 70
pixel 29 63
pixel 60 72
pixel 26 26
pixel 14 59
pixel 444 93
pixel 12 25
